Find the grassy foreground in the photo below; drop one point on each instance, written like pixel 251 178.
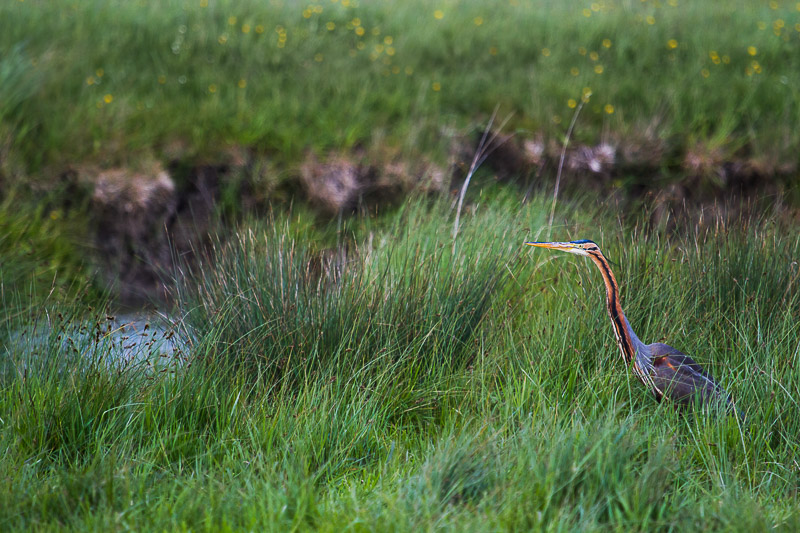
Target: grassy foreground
pixel 414 384
pixel 113 82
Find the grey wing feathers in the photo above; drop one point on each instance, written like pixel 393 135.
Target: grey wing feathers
pixel 659 349
pixel 679 376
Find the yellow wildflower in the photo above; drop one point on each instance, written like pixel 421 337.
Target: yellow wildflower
pixel 609 109
pixel 571 103
pixel 752 50
pixel 438 15
pixel 108 98
pixel 672 44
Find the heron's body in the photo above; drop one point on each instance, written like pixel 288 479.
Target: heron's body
pixel 666 371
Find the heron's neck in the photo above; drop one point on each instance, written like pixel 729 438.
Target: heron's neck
pixel 628 342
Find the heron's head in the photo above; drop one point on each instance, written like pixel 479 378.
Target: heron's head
pixel 582 247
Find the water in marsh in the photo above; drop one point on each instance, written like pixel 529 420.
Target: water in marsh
pixel 145 338
pixel 142 336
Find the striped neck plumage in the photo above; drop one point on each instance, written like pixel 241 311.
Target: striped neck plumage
pixel 626 339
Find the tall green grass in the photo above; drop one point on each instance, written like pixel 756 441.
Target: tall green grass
pixel 476 389
pixel 407 296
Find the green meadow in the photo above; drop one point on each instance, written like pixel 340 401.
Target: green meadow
pixel 385 370
pixel 117 81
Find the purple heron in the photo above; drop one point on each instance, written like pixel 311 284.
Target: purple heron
pixel 666 371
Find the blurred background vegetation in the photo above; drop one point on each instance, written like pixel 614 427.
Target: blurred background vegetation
pixel 113 81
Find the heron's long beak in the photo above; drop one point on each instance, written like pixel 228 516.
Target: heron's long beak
pixel 569 247
pixel 553 245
